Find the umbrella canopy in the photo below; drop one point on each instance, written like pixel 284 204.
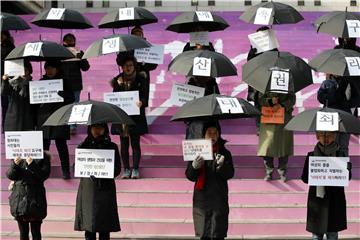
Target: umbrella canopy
pixel 126 17
pixel 12 22
pixel 61 18
pixel 40 51
pixel 336 23
pixel 185 63
pixel 101 112
pixel 306 121
pixel 115 43
pixel 208 107
pixel 333 61
pixel 279 14
pixel 259 72
pixel 197 21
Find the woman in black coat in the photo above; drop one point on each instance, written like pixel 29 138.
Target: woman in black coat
pixel 130 80
pixel 326 206
pixel 60 133
pixel 28 197
pixel 96 206
pixel 210 200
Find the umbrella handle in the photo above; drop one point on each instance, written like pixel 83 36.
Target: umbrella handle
pixel 89 96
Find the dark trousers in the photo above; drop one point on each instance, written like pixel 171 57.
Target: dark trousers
pixel 136 150
pixel 269 165
pixel 92 235
pixel 35 230
pixel 4 107
pixel 63 153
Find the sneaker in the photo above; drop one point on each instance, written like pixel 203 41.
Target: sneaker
pixel 283 178
pixel 66 176
pixel 268 177
pixel 135 174
pixel 126 174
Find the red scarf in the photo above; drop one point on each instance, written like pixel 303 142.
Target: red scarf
pixel 200 183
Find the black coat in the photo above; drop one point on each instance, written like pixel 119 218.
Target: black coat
pixel 211 204
pixel 46 109
pixel 187 47
pixel 326 214
pixel 28 197
pixel 139 84
pixel 20 115
pixel 72 73
pixel 96 205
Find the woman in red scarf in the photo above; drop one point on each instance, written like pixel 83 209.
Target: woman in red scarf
pixel 210 200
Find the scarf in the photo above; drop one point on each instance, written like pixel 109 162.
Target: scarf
pixel 21 84
pixel 200 183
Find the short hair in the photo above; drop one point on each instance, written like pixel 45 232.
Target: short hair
pixel 129 58
pixel 69 35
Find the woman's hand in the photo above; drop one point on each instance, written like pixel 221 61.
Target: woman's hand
pixel 198 162
pixel 276 107
pixel 139 104
pixel 120 81
pixel 5 77
pixel 29 160
pixel 17 160
pixel 275 100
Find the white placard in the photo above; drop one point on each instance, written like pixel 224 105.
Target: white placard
pixel 353 27
pixel 45 91
pixel 202 66
pixel 80 114
pixel 193 148
pixel 358 112
pixel 55 13
pixel 126 14
pixel 14 67
pixel 353 64
pixel 153 54
pixel 32 49
pixel 229 105
pixel 110 45
pixel 201 38
pixel 182 93
pixel 24 144
pixel 94 162
pixel 328 171
pixel 263 40
pixel 327 121
pixel 279 81
pixel 263 16
pixel 125 100
pixel 204 16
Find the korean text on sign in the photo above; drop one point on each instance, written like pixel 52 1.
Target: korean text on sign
pixel 183 93
pixel 24 144
pixel 193 148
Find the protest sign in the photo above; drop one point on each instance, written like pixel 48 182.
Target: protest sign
pixel 125 100
pixel 45 91
pixel 183 93
pixel 193 148
pixel 24 144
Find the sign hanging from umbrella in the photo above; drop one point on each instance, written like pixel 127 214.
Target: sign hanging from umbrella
pixel 12 22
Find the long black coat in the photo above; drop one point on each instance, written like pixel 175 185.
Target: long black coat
pixel 72 73
pixel 96 205
pixel 139 84
pixel 20 115
pixel 28 197
pixel 326 214
pixel 211 204
pixel 46 109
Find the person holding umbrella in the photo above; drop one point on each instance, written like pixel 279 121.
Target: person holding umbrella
pixel 210 199
pixel 131 80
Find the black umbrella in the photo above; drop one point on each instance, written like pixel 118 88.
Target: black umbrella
pixel 280 14
pixel 115 43
pixel 306 121
pixel 197 21
pixel 208 107
pixel 12 22
pixel 101 112
pixel 333 61
pixel 334 23
pixel 133 17
pixel 220 65
pixel 258 71
pixel 40 51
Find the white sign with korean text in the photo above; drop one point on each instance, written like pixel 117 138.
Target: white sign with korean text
pixel 125 100
pixel 328 171
pixel 201 38
pixel 353 64
pixel 126 14
pixel 24 144
pixel 32 49
pixel 14 67
pixel 55 13
pixel 202 66
pixel 279 81
pixel 193 148
pixel 327 121
pixel 182 93
pixel 153 54
pixel 263 16
pixel 353 27
pixel 204 16
pixel 94 162
pixel 80 114
pixel 110 45
pixel 263 40
pixel 229 105
pixel 45 91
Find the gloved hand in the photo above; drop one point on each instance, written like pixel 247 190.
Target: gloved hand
pixel 198 162
pixel 349 166
pixel 93 178
pixel 80 54
pixel 219 161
